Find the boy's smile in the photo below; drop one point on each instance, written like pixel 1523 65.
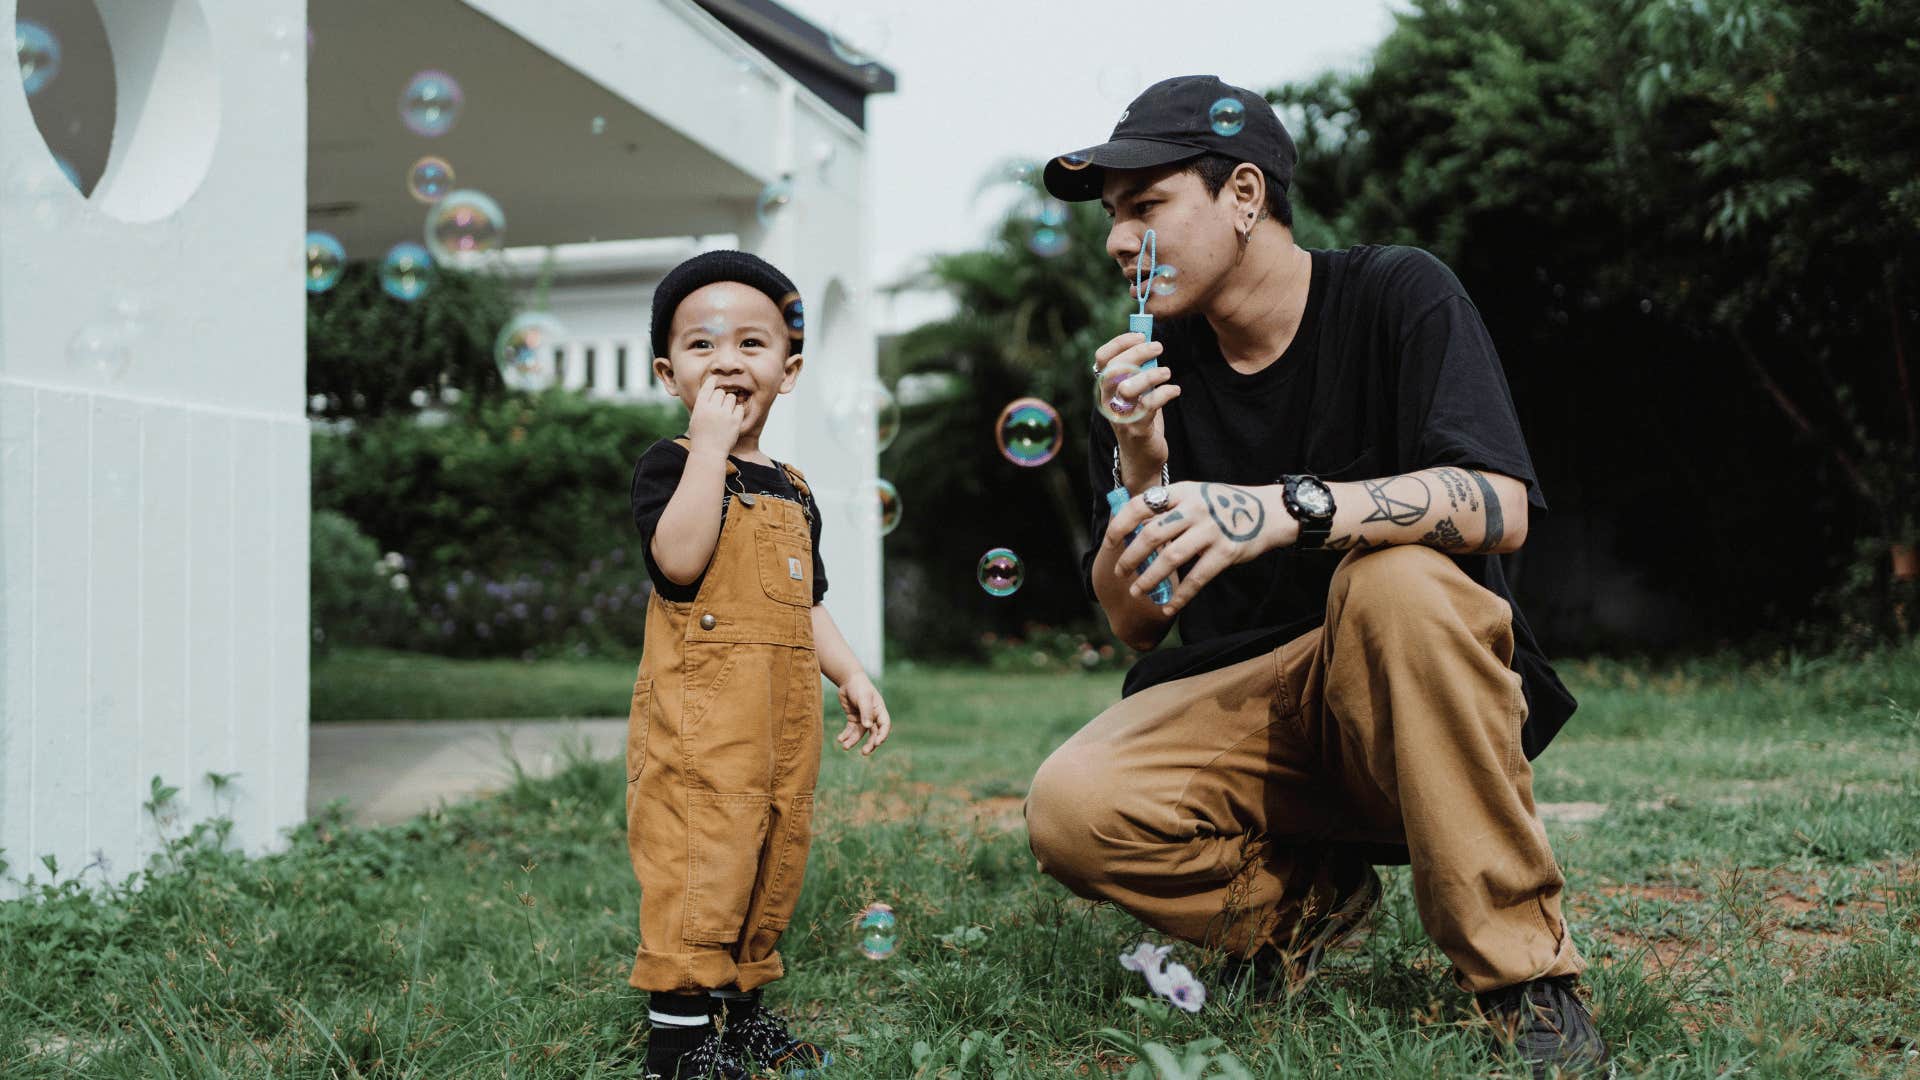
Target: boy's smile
pixel 734 334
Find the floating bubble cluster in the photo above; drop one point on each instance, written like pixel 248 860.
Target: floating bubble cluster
pixel 431 103
pixel 1048 243
pixel 101 350
pixel 1028 432
pixel 1163 280
pixel 406 272
pixel 326 261
pixel 1001 572
pixel 876 931
pixel 465 223
pixel 430 179
pixel 1227 116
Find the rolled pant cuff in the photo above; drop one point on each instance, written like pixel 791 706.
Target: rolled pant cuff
pixel 685 972
pixel 755 974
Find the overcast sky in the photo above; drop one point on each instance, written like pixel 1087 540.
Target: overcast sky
pixel 987 80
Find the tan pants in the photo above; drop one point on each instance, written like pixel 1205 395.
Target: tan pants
pixel 723 749
pixel 1212 807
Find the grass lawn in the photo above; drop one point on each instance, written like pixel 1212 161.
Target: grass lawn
pixel 1742 845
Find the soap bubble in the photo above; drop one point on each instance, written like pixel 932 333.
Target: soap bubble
pixel 465 223
pixel 599 125
pixel 875 931
pixel 406 272
pixel 101 350
pixel 773 198
pixel 794 314
pixel 1001 572
pixel 865 412
pixel 431 103
pixel 1074 162
pixel 1028 432
pixel 887 506
pixel 1163 280
pixel 524 351
pixel 430 179
pixel 1106 396
pixel 1048 243
pixel 326 261
pixel 1051 213
pixel 72 174
pixel 38 52
pixel 1227 116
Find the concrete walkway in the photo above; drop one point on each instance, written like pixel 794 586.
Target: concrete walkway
pixel 389 771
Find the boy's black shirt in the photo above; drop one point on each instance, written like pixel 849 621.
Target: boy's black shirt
pixel 658 473
pixel 1391 372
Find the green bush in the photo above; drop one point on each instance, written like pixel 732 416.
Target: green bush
pixel 370 355
pixel 357 595
pixel 512 518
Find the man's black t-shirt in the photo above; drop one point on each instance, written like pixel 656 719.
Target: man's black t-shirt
pixel 657 475
pixel 1390 372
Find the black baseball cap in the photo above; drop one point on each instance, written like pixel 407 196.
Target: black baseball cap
pixel 1175 120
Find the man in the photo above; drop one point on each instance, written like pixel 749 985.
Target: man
pixel 1326 462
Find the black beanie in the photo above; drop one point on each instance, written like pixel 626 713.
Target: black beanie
pixel 710 266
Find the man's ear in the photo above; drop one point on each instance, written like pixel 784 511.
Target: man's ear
pixel 792 375
pixel 1248 186
pixel 663 374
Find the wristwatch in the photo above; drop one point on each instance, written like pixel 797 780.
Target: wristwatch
pixel 1310 501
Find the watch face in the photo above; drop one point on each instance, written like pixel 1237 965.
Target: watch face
pixel 1313 497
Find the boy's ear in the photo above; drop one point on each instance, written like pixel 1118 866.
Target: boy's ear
pixel 792 375
pixel 663 374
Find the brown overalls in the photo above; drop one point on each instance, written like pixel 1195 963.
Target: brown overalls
pixel 723 748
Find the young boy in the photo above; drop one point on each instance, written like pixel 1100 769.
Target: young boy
pixel 723 740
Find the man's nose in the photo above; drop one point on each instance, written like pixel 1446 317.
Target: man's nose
pixel 1123 244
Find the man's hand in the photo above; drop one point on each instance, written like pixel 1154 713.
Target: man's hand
pixel 717 419
pixel 1212 526
pixel 1143 443
pixel 865 712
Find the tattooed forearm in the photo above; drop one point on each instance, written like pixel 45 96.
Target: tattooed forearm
pixel 1445 536
pixel 1356 542
pixel 1496 527
pixel 1459 494
pixel 1398 500
pixel 1239 515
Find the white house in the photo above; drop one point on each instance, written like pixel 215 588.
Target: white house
pixel 154 189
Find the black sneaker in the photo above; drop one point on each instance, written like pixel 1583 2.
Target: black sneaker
pixel 758 1034
pixel 1547 1024
pixel 711 1059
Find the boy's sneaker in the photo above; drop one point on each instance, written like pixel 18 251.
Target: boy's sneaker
pixel 711 1059
pixel 1548 1025
pixel 758 1035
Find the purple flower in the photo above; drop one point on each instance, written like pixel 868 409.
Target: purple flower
pixel 549 613
pixel 586 615
pixel 446 628
pixel 519 611
pixel 453 591
pixel 482 630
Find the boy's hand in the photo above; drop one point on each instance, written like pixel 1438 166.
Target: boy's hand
pixel 865 712
pixel 717 419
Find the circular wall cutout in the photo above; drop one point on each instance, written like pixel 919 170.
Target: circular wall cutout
pixel 132 111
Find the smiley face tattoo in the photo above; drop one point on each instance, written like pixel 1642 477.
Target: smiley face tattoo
pixel 1239 515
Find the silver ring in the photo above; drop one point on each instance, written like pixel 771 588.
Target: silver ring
pixel 1156 498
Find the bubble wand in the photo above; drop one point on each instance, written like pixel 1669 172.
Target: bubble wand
pixel 1140 322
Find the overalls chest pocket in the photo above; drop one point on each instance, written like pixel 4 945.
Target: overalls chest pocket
pixel 785 559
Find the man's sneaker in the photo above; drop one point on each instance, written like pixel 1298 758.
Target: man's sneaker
pixel 1548 1025
pixel 759 1035
pixel 1289 965
pixel 712 1059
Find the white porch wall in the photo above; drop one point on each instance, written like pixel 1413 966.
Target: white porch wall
pixel 153 527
